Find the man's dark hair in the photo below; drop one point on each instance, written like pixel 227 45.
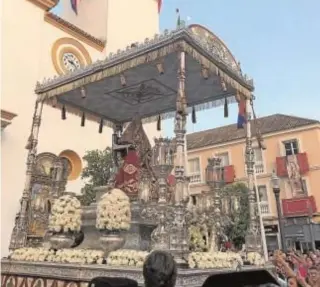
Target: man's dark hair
pixel 313 268
pixel 160 270
pixel 112 282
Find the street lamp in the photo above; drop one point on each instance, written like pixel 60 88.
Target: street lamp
pixel 275 181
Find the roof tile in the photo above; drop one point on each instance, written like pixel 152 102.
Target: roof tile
pixel 268 124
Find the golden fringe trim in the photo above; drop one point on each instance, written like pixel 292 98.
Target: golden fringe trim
pixel 49 96
pixel 169 115
pixel 109 72
pixel 150 57
pixel 217 71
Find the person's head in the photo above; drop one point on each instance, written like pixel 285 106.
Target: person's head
pixel 160 270
pixel 309 262
pixel 112 282
pixel 294 260
pixel 313 275
pixel 292 282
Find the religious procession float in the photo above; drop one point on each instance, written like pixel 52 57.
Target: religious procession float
pixel 173 75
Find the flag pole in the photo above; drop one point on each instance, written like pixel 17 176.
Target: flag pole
pixel 178 18
pixel 262 231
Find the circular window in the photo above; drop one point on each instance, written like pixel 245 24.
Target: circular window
pixel 74 164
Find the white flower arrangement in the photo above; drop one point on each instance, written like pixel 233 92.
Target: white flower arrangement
pixel 80 256
pixel 126 257
pixel 197 242
pixel 65 215
pixel 31 254
pixel 113 211
pixel 255 258
pixel 208 260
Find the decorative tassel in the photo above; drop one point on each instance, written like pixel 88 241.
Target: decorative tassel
pixel 194 118
pixel 83 119
pixel 101 126
pixel 63 113
pixel 159 123
pixel 223 86
pixel 83 92
pixel 54 101
pixel 226 110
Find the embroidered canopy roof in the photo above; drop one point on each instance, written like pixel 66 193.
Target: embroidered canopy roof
pixel 142 80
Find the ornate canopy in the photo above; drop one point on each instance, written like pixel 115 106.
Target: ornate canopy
pixel 142 80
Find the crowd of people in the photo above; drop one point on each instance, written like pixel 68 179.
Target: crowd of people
pixel 294 269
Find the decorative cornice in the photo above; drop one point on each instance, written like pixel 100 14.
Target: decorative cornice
pixel 74 31
pixel 7 115
pixel 6 118
pixel 45 4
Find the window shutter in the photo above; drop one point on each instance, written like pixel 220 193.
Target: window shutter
pixel 285 210
pixel 229 174
pixel 303 162
pixel 281 163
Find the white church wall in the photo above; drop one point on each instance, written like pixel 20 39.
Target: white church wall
pixel 26 58
pixel 139 20
pixel 21 26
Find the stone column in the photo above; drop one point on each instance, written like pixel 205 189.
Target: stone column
pixel 253 238
pixel 179 239
pixel 20 230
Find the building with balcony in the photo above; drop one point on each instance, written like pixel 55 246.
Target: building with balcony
pixel 292 151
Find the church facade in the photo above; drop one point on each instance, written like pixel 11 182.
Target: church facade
pixel 36 44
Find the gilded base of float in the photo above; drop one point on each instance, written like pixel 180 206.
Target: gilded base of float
pixel 31 274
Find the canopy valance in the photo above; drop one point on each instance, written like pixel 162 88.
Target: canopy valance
pixel 142 80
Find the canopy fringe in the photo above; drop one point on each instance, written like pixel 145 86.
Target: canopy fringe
pixel 79 79
pixel 164 116
pixel 199 107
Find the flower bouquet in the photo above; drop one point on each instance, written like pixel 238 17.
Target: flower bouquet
pixel 65 215
pixel 80 256
pixel 208 260
pixel 65 220
pixel 77 256
pixel 31 254
pixel 113 211
pixel 126 257
pixel 255 258
pixel 197 242
pixel 113 217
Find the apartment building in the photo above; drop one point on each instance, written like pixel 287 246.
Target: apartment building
pixel 289 140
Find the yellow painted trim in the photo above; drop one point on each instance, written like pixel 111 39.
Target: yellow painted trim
pixel 75 161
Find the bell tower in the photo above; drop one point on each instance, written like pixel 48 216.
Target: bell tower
pixel 118 22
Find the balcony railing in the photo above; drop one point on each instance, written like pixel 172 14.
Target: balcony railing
pixel 259 166
pixel 195 177
pixel 264 207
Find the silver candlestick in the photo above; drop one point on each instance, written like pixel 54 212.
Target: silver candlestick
pixel 162 165
pixel 215 180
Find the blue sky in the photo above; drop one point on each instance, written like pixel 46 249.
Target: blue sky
pixel 277 43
